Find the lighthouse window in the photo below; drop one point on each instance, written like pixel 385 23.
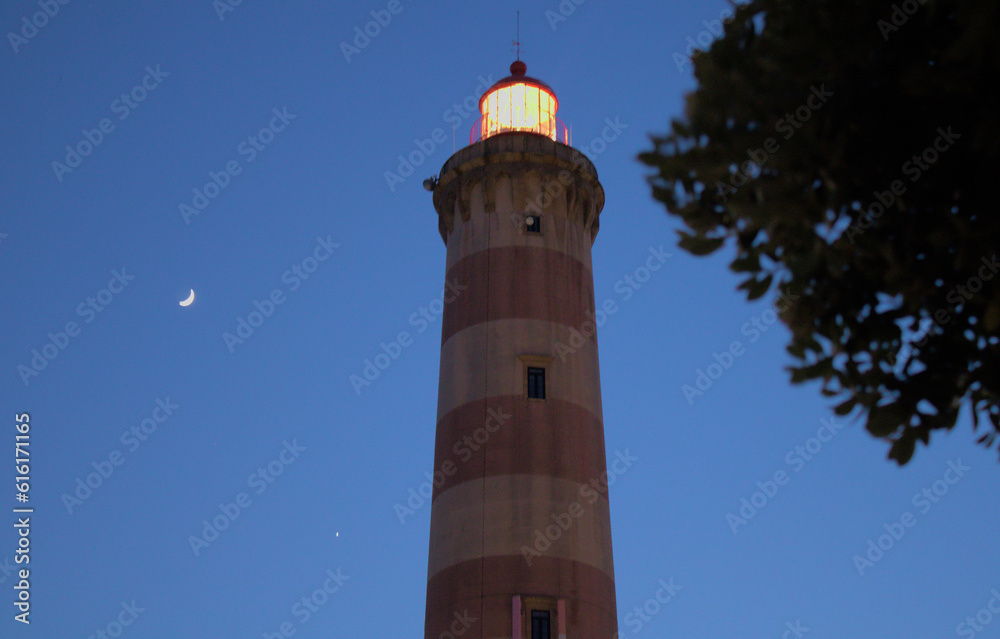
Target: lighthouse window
pixel 536 383
pixel 533 224
pixel 540 624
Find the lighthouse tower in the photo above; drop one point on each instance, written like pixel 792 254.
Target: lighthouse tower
pixel 520 541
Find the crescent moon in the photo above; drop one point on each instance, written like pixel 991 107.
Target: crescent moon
pixel 189 300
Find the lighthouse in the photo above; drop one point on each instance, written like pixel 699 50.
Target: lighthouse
pixel 520 539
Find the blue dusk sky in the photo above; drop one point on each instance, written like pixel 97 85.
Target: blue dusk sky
pixel 270 158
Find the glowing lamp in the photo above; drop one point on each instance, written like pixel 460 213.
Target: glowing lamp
pixel 520 104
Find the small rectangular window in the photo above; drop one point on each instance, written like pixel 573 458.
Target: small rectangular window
pixel 533 224
pixel 540 624
pixel 536 382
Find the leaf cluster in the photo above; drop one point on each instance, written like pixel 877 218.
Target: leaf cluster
pixel 886 246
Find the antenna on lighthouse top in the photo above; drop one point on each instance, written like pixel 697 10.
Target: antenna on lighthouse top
pixel 517 42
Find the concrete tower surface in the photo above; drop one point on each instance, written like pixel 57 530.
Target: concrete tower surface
pixel 520 542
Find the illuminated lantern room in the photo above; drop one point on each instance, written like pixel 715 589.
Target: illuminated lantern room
pixel 520 104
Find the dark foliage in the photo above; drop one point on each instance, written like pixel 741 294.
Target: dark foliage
pixel 848 151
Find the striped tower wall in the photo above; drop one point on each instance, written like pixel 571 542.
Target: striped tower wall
pixel 516 473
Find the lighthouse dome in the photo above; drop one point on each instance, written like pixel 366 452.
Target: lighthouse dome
pixel 519 103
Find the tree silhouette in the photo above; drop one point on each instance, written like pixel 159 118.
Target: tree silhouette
pixel 848 151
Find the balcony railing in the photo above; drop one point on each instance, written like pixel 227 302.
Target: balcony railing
pixel 552 128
